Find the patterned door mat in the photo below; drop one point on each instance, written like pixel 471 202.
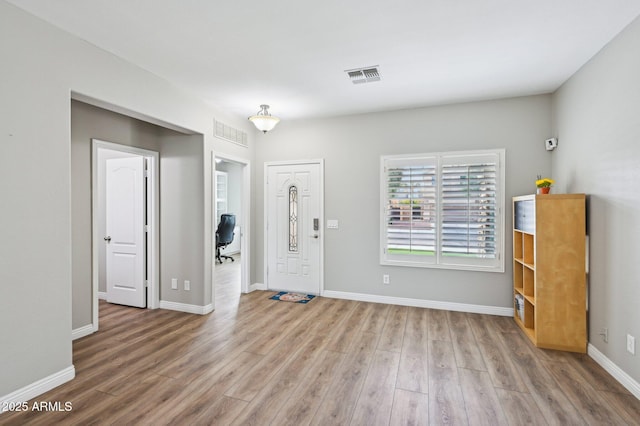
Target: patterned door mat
pixel 293 297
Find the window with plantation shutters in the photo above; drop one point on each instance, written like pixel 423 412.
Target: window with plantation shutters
pixel 410 209
pixel 443 210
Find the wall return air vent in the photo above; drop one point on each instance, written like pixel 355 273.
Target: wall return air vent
pixel 231 134
pixel 364 75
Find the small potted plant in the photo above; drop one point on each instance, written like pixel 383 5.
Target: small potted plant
pixel 544 185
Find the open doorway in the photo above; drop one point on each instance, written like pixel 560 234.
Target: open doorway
pixel 109 259
pixel 183 200
pixel 230 182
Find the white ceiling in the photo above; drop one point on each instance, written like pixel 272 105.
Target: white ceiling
pixel 292 54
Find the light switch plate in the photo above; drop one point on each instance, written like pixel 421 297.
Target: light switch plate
pixel 332 224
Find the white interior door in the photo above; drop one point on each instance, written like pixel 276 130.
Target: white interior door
pixel 294 227
pixel 125 239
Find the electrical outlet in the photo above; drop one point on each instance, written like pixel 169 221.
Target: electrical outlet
pixel 174 283
pixel 604 332
pixel 631 344
pixel 385 279
pixel 187 285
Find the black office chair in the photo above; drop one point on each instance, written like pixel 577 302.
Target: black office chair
pixel 224 234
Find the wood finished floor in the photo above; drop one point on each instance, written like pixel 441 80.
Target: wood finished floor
pixel 259 361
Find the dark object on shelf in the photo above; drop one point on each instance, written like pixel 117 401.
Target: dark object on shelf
pixel 224 235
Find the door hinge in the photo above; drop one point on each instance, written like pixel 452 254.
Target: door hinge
pixel 146 283
pixel 147 228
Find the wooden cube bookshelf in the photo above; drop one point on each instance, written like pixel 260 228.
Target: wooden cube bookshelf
pixel 549 269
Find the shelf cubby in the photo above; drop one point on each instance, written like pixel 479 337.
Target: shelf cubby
pixel 528 279
pixel 517 245
pixel 518 277
pixel 528 253
pixel 529 314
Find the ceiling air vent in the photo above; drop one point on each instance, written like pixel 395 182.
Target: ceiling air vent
pixel 364 75
pixel 231 134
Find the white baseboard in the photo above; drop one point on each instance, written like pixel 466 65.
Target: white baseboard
pixel 257 286
pixel 102 295
pixel 83 331
pixel 617 373
pixel 420 303
pixel 184 307
pixel 38 388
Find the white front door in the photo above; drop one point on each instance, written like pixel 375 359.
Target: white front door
pixel 294 227
pixel 125 239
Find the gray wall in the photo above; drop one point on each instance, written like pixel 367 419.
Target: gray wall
pixel 352 146
pixel 182 232
pixel 43 66
pixel 597 114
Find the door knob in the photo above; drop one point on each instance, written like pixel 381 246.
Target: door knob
pixel 107 239
pixel 315 236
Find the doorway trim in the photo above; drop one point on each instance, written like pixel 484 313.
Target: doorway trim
pixel 153 214
pixel 245 230
pixel 320 162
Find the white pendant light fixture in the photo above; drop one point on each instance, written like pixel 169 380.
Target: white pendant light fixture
pixel 263 120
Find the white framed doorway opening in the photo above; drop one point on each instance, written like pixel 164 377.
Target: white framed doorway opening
pixel 244 219
pixel 101 150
